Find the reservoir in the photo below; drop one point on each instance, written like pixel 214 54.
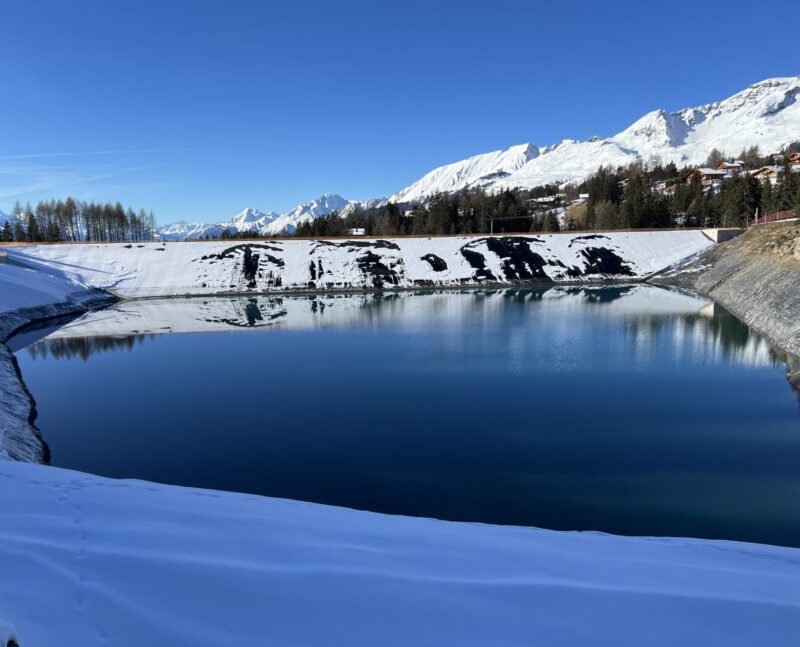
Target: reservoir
pixel 629 409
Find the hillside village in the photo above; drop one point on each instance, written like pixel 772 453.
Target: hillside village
pixel 725 170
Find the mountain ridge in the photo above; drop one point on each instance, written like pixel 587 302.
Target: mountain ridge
pixel 766 113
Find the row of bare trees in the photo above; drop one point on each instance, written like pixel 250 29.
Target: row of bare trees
pixel 72 221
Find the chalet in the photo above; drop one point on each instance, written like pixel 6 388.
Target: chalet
pixel 357 231
pixel 793 159
pixel 771 174
pixel 707 175
pixel 548 199
pixel 730 168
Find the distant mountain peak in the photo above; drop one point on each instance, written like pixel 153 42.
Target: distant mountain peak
pixel 251 220
pixel 766 113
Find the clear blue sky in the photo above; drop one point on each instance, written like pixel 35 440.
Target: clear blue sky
pixel 197 109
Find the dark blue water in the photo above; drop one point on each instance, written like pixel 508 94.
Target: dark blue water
pixel 626 410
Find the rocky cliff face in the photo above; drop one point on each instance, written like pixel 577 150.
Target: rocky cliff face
pixel 757 277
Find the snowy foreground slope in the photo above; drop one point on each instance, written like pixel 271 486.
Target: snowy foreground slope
pixel 91 561
pixel 160 269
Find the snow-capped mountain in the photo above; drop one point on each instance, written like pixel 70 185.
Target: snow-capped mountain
pixel 255 221
pixel 321 206
pixel 766 114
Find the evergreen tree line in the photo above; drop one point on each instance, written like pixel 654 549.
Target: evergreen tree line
pixel 637 197
pixel 72 221
pixel 470 211
pixel 641 195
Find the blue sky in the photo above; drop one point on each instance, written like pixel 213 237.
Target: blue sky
pixel 197 109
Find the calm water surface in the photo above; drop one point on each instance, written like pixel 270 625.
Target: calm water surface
pixel 630 410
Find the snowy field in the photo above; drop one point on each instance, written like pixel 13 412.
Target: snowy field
pixel 167 269
pixel 92 561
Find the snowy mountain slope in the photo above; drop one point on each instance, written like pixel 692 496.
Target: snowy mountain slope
pixel 160 269
pixel 481 170
pixel 255 221
pixel 766 113
pixel 92 561
pixel 321 206
pixel 243 222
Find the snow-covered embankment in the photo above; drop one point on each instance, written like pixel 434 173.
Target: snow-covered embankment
pixel 26 295
pixel 195 268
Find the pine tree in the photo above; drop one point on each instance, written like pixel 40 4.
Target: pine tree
pixel 715 157
pixel 551 223
pixel 33 228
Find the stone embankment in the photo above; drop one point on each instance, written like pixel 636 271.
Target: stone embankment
pixel 757 277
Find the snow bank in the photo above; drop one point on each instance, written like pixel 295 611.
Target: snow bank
pixel 91 561
pixel 162 269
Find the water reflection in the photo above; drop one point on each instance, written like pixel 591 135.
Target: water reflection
pixel 82 347
pixel 697 327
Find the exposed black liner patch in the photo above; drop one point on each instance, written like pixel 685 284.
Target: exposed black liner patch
pixel 519 261
pixel 250 267
pixel 478 263
pixel 375 244
pixel 230 251
pixel 437 264
pixel 373 266
pixel 587 237
pixel 600 260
